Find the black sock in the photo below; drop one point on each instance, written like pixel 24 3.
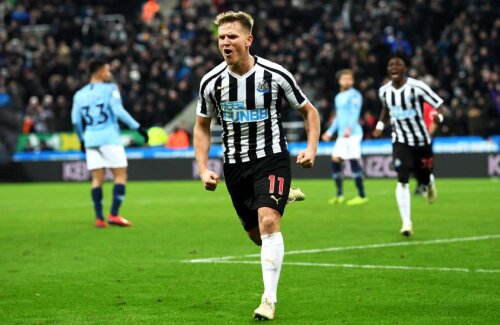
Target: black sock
pixel 118 197
pixel 357 174
pixel 97 199
pixel 337 176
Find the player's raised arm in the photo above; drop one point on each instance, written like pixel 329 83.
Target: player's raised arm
pixel 311 118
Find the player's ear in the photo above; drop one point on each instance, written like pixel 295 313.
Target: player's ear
pixel 249 40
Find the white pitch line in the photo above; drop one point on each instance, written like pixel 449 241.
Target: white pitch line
pixel 345 248
pixel 366 266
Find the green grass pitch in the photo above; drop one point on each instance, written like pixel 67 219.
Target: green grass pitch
pixel 56 268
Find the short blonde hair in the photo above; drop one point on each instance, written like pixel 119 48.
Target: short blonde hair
pixel 345 72
pixel 231 16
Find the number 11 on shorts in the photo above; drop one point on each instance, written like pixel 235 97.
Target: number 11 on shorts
pixel 272 183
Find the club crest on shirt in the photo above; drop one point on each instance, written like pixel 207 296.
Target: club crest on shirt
pixel 263 86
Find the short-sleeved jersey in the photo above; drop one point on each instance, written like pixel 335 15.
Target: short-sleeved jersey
pixel 347 112
pixel 405 107
pixel 97 108
pixel 249 108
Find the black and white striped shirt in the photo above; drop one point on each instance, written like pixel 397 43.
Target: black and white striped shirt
pixel 249 108
pixel 406 108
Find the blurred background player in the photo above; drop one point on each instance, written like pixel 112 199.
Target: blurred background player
pixel 403 97
pixel 348 104
pixel 97 108
pixel 244 92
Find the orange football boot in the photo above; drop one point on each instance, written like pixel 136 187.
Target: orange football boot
pixel 99 223
pixel 118 221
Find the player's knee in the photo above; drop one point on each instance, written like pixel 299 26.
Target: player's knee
pixel 120 176
pixel 97 178
pixel 337 160
pixel 267 224
pixel 269 221
pixel 120 180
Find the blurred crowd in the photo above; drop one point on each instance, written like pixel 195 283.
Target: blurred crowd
pixel 158 60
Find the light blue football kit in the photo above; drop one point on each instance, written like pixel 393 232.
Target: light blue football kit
pixel 97 108
pixel 348 109
pixel 348 105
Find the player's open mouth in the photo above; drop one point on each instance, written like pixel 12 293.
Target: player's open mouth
pixel 228 52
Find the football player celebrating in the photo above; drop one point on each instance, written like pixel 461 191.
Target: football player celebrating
pixel 403 98
pixel 244 92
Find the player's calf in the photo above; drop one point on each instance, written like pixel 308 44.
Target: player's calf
pixel 254 235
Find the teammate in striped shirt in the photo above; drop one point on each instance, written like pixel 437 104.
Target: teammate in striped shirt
pixel 244 93
pixel 403 97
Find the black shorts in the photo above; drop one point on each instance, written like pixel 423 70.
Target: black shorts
pixel 407 159
pixel 264 182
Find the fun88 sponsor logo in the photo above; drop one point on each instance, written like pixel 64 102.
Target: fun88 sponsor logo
pixel 236 112
pixel 399 113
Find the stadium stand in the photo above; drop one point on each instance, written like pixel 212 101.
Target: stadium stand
pixel 158 62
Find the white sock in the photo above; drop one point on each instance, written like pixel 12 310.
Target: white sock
pixel 271 258
pixel 432 179
pixel 403 199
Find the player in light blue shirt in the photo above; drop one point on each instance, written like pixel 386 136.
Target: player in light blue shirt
pixel 348 103
pixel 97 108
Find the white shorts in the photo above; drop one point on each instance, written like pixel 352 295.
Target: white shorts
pixel 348 148
pixel 106 156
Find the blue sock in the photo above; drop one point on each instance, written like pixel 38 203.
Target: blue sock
pixel 357 174
pixel 337 177
pixel 97 199
pixel 118 197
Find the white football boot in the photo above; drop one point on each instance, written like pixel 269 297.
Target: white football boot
pixel 265 311
pixel 295 195
pixel 407 230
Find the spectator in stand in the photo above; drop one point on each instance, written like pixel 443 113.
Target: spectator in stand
pixel 149 10
pixel 155 55
pixel 180 138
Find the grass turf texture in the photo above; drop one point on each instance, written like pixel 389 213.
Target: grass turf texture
pixel 56 267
